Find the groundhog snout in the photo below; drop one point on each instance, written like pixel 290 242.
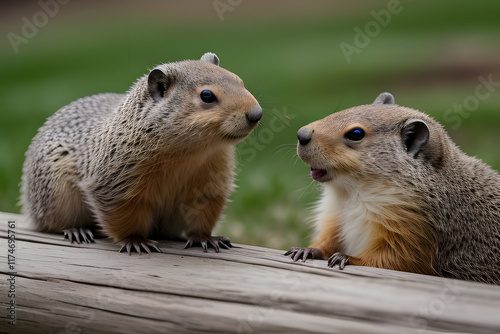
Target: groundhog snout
pixel 254 114
pixel 307 153
pixel 304 135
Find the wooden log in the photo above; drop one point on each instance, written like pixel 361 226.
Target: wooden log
pixel 70 288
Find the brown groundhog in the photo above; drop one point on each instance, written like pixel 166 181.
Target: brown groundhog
pixel 157 161
pixel 399 194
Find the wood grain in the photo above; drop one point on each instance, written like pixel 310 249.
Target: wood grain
pixel 63 287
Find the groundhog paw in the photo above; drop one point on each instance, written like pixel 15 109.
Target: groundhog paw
pixel 137 243
pixel 338 258
pixel 78 235
pixel 215 242
pixel 297 253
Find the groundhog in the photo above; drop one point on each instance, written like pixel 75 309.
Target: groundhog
pixel 399 194
pixel 157 161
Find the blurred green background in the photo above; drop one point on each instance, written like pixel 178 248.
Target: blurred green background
pixel 429 54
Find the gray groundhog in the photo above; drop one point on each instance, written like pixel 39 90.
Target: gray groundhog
pixel 399 194
pixel 156 162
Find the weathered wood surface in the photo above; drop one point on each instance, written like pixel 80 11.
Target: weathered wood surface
pixel 64 288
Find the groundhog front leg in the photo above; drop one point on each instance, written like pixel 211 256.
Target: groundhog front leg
pixel 342 260
pixel 135 242
pixel 325 245
pixel 297 253
pixel 130 224
pixel 384 255
pixel 200 216
pixel 78 235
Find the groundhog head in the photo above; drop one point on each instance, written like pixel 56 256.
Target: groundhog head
pixel 370 141
pixel 200 103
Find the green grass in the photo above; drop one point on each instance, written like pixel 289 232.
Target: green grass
pixel 429 57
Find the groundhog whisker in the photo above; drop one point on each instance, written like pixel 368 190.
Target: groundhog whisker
pixel 307 189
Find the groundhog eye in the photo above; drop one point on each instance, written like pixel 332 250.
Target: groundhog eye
pixel 208 96
pixel 355 134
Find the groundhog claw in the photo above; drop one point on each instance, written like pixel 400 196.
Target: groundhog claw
pixel 215 242
pixel 137 243
pixel 297 253
pixel 338 258
pixel 74 234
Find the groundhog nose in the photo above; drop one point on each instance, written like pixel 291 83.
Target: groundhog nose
pixel 304 135
pixel 255 114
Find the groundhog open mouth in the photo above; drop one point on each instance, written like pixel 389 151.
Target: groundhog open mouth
pixel 320 175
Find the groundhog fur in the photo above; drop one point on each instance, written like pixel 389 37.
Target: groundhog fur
pixel 399 194
pixel 157 161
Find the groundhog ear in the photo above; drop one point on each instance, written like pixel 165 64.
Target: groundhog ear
pixel 384 98
pixel 158 84
pixel 211 58
pixel 415 136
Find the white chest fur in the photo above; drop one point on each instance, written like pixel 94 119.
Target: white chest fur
pixel 356 210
